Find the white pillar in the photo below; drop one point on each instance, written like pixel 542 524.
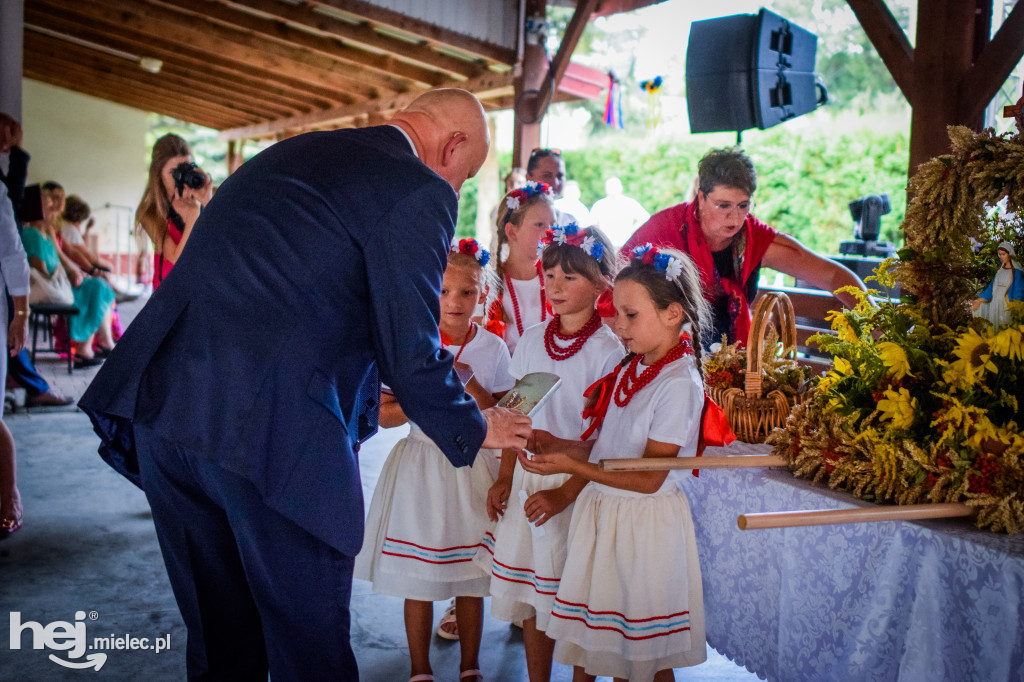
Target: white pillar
pixel 12 23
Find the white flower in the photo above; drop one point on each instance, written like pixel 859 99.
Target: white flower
pixel 540 248
pixel 673 269
pixel 512 203
pixel 559 234
pixel 588 244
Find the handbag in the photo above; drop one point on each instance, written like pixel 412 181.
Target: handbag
pixel 55 288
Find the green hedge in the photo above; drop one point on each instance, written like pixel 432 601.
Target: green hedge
pixel 805 181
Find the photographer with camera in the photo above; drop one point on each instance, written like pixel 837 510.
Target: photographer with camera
pixel 175 194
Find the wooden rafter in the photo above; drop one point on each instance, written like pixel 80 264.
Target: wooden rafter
pixel 173 82
pixel 889 40
pixel 209 38
pixel 993 66
pixel 364 34
pixel 484 87
pixel 380 70
pixel 431 32
pixel 560 62
pixel 207 68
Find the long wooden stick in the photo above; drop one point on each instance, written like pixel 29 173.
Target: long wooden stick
pixel 824 517
pixel 669 463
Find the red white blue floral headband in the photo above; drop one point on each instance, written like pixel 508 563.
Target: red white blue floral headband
pixel 572 234
pixel 471 247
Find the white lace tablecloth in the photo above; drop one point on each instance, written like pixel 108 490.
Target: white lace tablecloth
pixel 915 601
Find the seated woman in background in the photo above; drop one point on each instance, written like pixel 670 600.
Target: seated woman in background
pixel 164 214
pixel 55 279
pixel 76 212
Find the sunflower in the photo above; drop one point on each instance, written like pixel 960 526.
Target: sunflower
pixel 1009 343
pixel 899 407
pixel 895 359
pixel 974 356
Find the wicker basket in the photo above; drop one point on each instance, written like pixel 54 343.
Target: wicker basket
pixel 752 414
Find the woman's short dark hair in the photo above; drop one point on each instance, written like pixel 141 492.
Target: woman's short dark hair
pixel 537 154
pixel 76 210
pixel 727 168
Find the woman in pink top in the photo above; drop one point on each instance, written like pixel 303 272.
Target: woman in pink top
pixel 165 214
pixel 729 245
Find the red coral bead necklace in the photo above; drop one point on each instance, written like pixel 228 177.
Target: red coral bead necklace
pixel 515 301
pixel 447 340
pixel 551 333
pixel 630 384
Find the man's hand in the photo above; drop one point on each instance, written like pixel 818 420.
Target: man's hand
pixel 506 428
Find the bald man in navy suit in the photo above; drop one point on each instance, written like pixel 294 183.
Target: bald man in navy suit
pixel 238 397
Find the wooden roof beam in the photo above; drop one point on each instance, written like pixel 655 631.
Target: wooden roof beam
pixel 381 70
pixel 490 85
pixel 203 67
pixel 560 62
pixel 889 40
pixel 364 34
pixel 139 84
pixel 206 37
pixel 381 15
pixel 993 66
pixel 37 45
pixel 128 98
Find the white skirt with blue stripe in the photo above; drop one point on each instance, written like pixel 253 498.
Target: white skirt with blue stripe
pixel 425 524
pixel 630 602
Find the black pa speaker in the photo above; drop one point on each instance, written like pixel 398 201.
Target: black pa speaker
pixel 749 71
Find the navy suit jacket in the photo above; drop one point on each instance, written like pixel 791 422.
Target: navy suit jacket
pixel 312 275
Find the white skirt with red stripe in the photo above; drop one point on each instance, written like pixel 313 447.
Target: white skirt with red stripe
pixel 630 602
pixel 525 565
pixel 426 522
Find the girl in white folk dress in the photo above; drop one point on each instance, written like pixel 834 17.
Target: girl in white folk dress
pixel 427 518
pixel 527 549
pixel 630 603
pixel 523 219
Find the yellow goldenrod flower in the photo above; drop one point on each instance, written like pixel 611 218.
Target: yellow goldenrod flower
pixel 895 359
pixel 899 408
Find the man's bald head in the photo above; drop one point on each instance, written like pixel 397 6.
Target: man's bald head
pixel 449 130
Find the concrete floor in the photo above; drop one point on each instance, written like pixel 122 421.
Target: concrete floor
pixel 88 545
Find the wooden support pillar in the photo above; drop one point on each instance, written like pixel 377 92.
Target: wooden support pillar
pixel 943 54
pixel 12 21
pixel 953 72
pixel 488 193
pixel 526 131
pixel 235 158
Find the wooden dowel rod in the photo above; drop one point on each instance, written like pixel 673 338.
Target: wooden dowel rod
pixel 824 517
pixel 669 463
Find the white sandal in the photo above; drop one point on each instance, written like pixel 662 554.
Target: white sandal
pixel 448 619
pixel 471 673
pixel 422 678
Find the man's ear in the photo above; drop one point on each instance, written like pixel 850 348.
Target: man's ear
pixel 449 148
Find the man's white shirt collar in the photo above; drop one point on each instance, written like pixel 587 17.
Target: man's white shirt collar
pixel 407 138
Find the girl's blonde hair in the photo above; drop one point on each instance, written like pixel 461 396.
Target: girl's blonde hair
pixel 488 279
pixel 152 213
pixel 684 289
pixel 535 193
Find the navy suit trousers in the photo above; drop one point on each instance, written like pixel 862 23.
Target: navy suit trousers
pixel 256 591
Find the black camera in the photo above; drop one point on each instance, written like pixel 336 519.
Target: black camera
pixel 186 174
